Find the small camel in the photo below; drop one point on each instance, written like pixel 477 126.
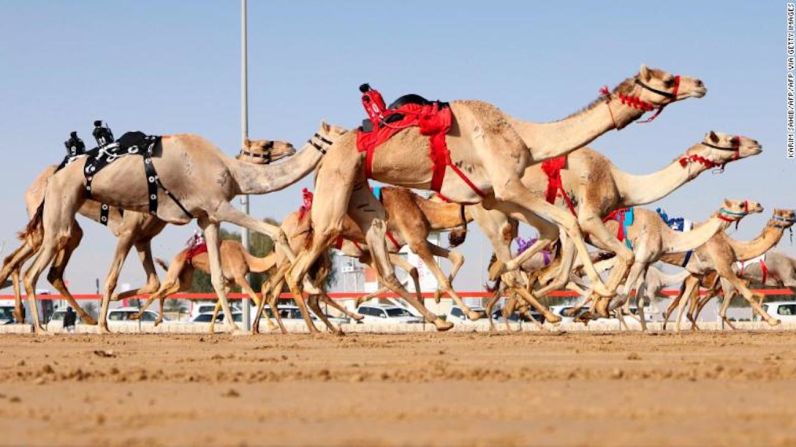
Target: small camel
pixel 718 255
pixel 131 228
pixel 493 149
pixel 201 181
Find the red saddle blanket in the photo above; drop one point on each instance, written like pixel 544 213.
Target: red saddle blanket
pixel 431 119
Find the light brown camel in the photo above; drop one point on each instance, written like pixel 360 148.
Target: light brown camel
pixel 596 187
pixel 411 218
pixel 651 238
pixel 493 149
pixel 201 178
pixel 131 229
pixel 718 255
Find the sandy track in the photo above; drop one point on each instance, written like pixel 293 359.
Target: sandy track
pixel 464 389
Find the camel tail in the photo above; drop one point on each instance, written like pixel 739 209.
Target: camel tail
pixel 260 265
pixel 162 264
pixel 35 223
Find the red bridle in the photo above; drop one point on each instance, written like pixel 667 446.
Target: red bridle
pixel 735 147
pixel 634 102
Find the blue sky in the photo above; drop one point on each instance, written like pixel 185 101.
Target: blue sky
pixel 173 66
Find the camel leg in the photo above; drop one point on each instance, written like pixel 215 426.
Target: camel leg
pixel 225 212
pixel 516 199
pixel 693 305
pixel 691 285
pixel 272 290
pixel 123 245
pixel 729 293
pixel 403 264
pixel 426 251
pixel 369 214
pixel 508 309
pixel 312 301
pixel 353 315
pixel 531 299
pixel 602 238
pixel 14 261
pixel 490 306
pixel 49 248
pixel 144 249
pixel 216 275
pixel 725 271
pixel 56 274
pixel 18 317
pixel 247 289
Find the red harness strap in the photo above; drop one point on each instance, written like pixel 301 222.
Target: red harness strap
pixel 434 121
pixel 195 250
pixel 306 205
pixel 394 242
pixel 764 269
pixel 552 168
pixel 619 216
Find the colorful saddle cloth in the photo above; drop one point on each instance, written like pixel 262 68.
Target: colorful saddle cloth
pixel 625 217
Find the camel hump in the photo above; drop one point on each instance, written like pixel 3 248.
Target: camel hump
pixel 411 98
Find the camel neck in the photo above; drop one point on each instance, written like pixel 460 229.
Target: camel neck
pixel 262 179
pixel 746 250
pixel 679 241
pixel 552 139
pixel 643 189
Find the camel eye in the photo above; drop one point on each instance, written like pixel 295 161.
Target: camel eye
pixel 669 83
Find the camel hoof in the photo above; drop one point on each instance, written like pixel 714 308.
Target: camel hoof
pixel 473 315
pixel 89 321
pixel 497 269
pixel 358 317
pixel 773 322
pixel 442 325
pixel 552 318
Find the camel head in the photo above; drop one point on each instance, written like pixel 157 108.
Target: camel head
pixel 263 152
pixel 718 149
pixel 661 88
pixel 782 218
pixel 735 210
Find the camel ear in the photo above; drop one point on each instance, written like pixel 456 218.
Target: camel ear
pixel 325 126
pixel 727 203
pixel 644 73
pixel 247 143
pixel 712 137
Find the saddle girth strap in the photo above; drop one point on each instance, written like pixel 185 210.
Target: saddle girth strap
pixel 104 211
pixel 152 183
pixel 687 257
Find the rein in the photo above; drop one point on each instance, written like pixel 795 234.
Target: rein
pixel 634 102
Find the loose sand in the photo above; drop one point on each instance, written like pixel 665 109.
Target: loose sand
pixel 407 389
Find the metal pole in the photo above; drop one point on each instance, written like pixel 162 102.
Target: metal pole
pixel 244 131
